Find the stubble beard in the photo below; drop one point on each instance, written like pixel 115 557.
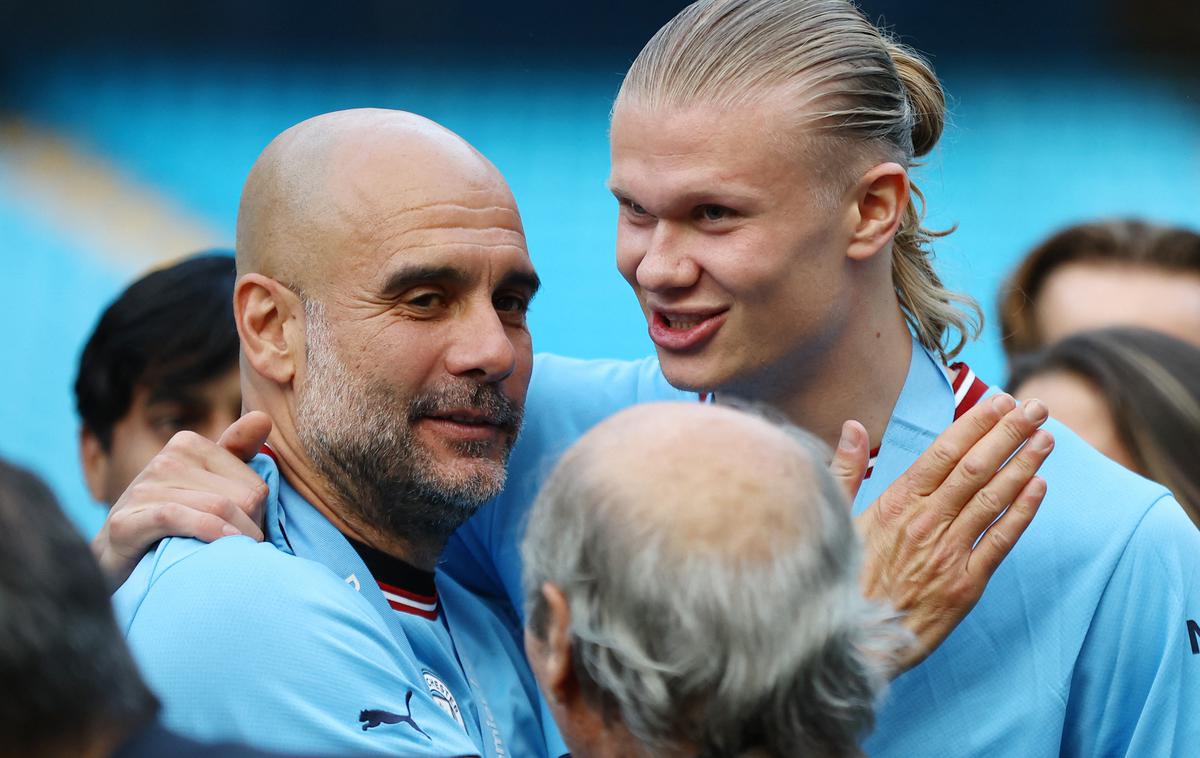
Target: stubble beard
pixel 359 435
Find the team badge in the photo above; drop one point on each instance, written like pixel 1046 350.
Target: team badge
pixel 443 697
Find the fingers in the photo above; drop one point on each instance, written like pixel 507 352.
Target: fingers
pixel 980 464
pixel 850 459
pixel 245 437
pixel 1003 490
pixel 1000 539
pixel 184 514
pixel 233 520
pixel 188 456
pixel 941 458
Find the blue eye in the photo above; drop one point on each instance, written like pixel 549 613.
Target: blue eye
pixel 714 212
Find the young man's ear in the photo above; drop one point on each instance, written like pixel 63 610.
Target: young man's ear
pixel 95 461
pixel 267 314
pixel 880 200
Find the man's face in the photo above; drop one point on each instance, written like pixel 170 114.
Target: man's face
pixel 418 360
pixel 155 415
pixel 727 239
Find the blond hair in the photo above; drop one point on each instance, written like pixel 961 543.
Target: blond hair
pixel 851 83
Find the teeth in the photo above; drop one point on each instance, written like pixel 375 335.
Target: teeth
pixel 682 322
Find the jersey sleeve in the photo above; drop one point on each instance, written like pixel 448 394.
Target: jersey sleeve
pixel 1136 685
pixel 245 643
pixel 567 397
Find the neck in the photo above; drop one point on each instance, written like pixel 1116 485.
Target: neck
pixel 336 504
pixel 859 376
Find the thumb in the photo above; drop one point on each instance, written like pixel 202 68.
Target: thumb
pixel 850 459
pixel 245 437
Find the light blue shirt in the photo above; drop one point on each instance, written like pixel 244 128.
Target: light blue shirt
pixel 1079 646
pixel 290 645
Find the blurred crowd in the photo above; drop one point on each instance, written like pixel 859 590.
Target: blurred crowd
pixel 329 537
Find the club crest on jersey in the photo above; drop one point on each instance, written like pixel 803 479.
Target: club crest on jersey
pixel 443 697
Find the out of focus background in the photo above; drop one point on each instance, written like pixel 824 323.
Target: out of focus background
pixel 126 130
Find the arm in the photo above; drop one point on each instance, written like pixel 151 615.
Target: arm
pixel 245 643
pixel 1135 689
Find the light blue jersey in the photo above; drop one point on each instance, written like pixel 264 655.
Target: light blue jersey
pixel 1079 647
pixel 291 644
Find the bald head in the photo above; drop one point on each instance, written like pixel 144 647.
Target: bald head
pixel 707 476
pixel 694 569
pixel 354 179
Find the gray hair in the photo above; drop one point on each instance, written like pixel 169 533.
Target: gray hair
pixel 776 652
pixel 846 80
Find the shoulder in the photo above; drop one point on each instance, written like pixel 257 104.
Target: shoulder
pixel 1098 500
pixel 243 641
pixel 598 382
pixel 209 593
pixel 1099 518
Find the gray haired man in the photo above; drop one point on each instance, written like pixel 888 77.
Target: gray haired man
pixel 693 589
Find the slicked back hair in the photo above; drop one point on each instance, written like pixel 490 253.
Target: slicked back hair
pixel 848 83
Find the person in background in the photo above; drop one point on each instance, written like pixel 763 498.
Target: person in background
pixel 68 685
pixel 1100 274
pixel 1133 394
pixel 162 358
pixel 692 580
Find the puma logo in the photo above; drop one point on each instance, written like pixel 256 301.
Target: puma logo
pixel 373 718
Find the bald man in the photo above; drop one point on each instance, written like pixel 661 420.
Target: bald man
pixel 381 299
pixel 692 589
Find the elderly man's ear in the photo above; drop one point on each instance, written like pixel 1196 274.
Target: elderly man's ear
pixel 550 654
pixel 270 323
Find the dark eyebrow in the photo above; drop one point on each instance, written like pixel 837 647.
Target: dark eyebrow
pixel 522 279
pixel 412 276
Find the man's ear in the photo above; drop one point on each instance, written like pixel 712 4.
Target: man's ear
pixel 95 463
pixel 266 314
pixel 554 648
pixel 880 200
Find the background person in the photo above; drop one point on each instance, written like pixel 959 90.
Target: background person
pixel 1133 394
pixel 162 358
pixel 70 687
pixel 693 589
pixel 1103 273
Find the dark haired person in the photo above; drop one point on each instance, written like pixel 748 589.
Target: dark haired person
pixel 163 358
pixel 70 687
pixel 1133 394
pixel 1105 273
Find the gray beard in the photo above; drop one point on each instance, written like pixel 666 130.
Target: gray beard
pixel 360 438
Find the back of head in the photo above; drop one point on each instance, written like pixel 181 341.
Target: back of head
pixel 1130 242
pixel 711 571
pixel 171 328
pixel 859 94
pixel 68 678
pixel 1151 385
